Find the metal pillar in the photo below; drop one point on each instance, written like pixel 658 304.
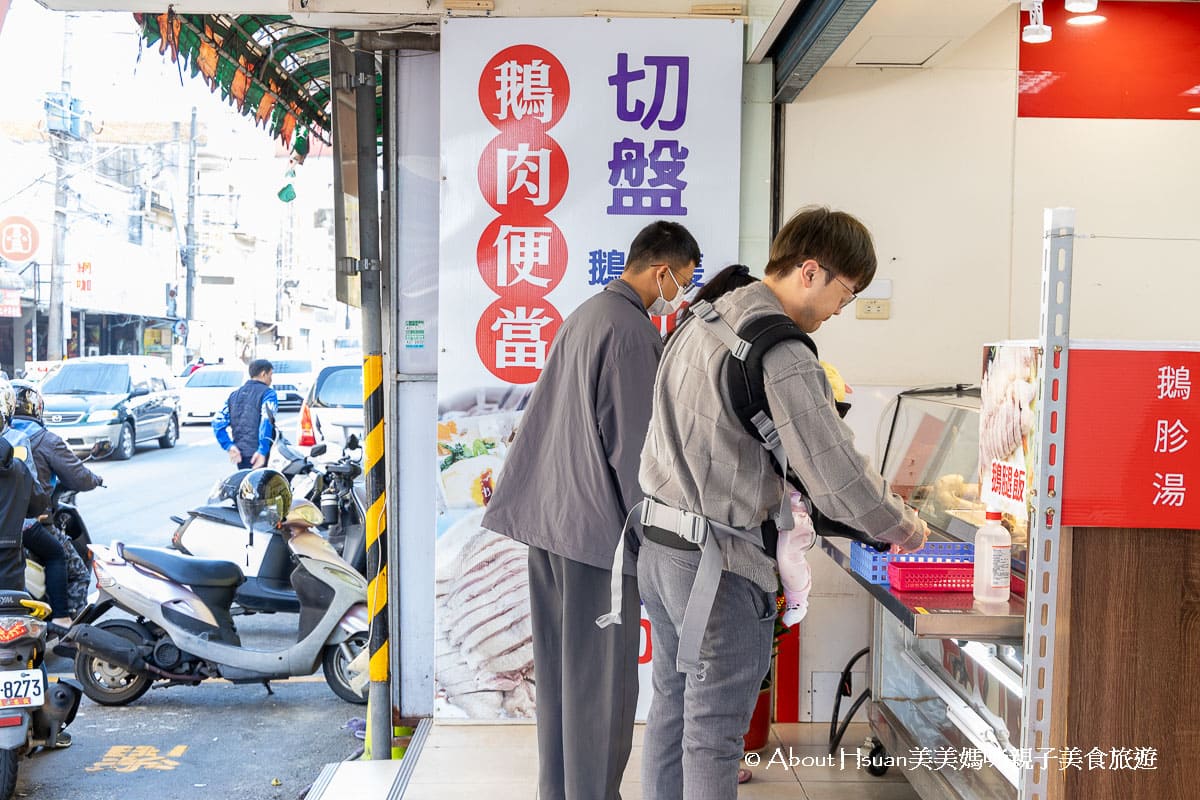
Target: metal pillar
pixel 379 705
pixel 1046 533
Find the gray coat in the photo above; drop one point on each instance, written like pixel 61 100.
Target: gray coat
pixel 699 458
pixel 571 475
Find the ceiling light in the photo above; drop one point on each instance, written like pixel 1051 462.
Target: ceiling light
pixel 1081 6
pixel 1087 19
pixel 1036 32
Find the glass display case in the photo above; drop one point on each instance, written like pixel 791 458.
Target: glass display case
pixel 946 672
pixel 932 461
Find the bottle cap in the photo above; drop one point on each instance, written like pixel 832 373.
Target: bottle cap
pixel 992 515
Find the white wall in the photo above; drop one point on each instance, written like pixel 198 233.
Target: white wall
pixel 1135 179
pixel 924 158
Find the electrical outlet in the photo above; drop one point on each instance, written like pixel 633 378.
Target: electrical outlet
pixel 872 309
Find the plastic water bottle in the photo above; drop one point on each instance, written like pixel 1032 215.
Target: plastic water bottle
pixel 993 561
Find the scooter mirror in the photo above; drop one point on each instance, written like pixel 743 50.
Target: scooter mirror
pixel 317 450
pixel 352 442
pixel 101 450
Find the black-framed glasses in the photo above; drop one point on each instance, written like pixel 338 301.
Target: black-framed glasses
pixel 853 294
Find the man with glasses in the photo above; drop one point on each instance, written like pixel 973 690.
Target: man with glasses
pixel 700 463
pixel 568 483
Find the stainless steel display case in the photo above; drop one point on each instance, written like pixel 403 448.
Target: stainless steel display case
pixel 945 672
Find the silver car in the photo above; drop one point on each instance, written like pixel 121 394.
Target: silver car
pixel 122 400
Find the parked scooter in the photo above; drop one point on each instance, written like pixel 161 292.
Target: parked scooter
pixel 214 530
pixel 32 711
pixel 182 631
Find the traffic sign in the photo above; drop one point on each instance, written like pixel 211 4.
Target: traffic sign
pixel 18 239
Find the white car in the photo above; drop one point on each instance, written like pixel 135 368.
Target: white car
pixel 333 409
pixel 205 391
pixel 291 378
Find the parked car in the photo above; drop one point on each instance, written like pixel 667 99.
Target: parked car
pixel 292 378
pixel 122 400
pixel 334 407
pixel 205 391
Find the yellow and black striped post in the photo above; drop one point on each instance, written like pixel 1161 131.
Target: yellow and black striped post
pixel 374 466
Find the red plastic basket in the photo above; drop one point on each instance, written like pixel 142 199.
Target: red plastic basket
pixel 931 576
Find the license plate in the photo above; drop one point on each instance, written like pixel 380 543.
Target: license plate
pixel 23 687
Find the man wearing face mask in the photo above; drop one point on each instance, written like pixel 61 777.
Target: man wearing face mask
pixel 569 481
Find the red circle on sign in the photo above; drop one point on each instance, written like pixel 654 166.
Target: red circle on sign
pixel 513 338
pixel 18 239
pixel 523 174
pixel 524 85
pixel 523 260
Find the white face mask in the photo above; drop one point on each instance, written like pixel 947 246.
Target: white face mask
pixel 662 307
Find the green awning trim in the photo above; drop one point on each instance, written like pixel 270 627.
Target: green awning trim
pixel 267 67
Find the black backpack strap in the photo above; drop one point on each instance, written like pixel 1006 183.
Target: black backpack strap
pixel 744 377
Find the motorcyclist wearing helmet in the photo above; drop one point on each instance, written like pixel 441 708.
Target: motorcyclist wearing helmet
pixel 53 458
pixel 20 496
pixel 66 574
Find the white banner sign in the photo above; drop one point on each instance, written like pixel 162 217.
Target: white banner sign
pixel 561 139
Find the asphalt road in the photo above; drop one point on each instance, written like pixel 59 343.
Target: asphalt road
pixel 216 740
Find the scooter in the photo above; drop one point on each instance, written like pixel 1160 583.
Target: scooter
pixel 214 530
pixel 182 631
pixel 32 711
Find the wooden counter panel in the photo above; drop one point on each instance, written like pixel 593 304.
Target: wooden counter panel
pixel 1135 659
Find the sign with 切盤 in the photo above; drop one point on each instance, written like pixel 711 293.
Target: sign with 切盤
pixel 560 140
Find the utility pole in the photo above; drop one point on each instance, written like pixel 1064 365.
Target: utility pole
pixel 58 326
pixel 190 235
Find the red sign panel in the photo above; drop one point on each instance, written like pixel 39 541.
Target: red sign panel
pixel 1132 448
pixel 1138 63
pixel 18 239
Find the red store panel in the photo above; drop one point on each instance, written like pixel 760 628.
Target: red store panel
pixel 1142 62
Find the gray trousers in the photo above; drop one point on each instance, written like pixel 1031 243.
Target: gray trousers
pixel 586 678
pixel 695 728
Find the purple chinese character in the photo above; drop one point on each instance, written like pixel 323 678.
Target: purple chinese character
pixel 665 67
pixel 605 266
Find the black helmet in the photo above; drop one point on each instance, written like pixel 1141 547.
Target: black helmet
pixel 8 403
pixel 263 499
pixel 29 400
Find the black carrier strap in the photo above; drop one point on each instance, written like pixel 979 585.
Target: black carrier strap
pixel 744 377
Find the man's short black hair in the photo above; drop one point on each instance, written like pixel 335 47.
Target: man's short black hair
pixel 662 242
pixel 259 366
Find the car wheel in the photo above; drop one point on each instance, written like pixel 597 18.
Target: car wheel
pixel 125 444
pixel 168 439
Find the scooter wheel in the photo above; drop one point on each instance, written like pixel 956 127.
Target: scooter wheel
pixel 336 663
pixel 9 761
pixel 109 684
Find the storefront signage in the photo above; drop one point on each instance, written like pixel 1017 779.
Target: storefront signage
pixel 1132 450
pixel 10 303
pixel 561 139
pixel 18 239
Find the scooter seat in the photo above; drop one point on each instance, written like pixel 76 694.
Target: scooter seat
pixel 222 514
pixel 10 601
pixel 186 569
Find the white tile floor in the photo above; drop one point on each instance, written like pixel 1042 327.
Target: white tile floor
pixel 458 760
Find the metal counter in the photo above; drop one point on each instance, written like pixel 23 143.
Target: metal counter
pixel 939 615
